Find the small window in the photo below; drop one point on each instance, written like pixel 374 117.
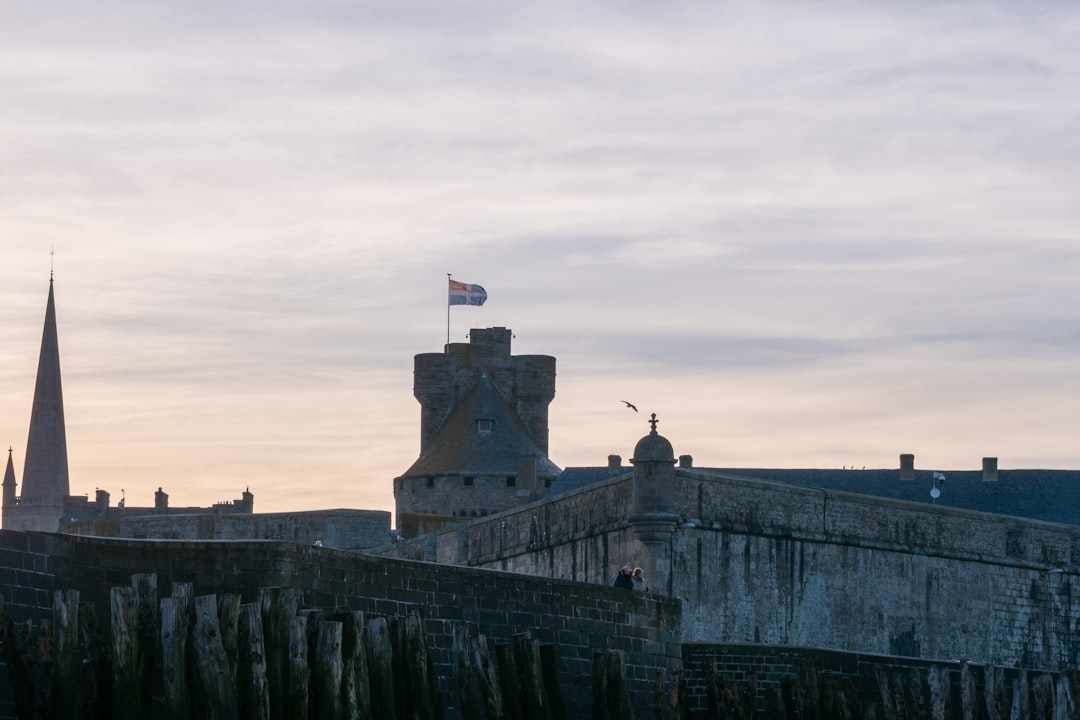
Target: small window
pixel 468 481
pixel 430 481
pixel 484 427
pixel 511 481
pixel 548 481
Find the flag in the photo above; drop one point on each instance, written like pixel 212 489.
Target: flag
pixel 466 294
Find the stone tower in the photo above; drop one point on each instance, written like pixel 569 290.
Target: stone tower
pixel 483 430
pixel 527 382
pixel 45 472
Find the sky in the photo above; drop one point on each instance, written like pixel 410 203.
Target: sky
pixel 804 234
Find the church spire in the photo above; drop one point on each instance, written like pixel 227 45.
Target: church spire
pixel 45 473
pixel 9 482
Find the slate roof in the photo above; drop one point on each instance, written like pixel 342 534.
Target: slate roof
pixel 458 448
pixel 1047 495
pixel 573 478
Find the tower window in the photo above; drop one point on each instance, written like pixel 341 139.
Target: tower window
pixel 430 481
pixel 511 481
pixel 548 481
pixel 484 427
pixel 468 481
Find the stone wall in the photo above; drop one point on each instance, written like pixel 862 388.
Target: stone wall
pixel 761 562
pixel 948 689
pixel 580 619
pixel 342 529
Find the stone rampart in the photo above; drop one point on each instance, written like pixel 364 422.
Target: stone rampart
pixel 341 529
pixel 580 619
pixel 762 562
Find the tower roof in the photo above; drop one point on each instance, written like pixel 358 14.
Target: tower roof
pixel 45 473
pixel 653 447
pixel 483 435
pixel 9 472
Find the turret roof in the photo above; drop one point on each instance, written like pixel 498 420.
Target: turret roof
pixel 462 447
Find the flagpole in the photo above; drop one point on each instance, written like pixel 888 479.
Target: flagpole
pixel 447 348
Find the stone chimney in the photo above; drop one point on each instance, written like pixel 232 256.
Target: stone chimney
pixel 614 464
pixel 686 461
pixel 161 501
pixel 989 469
pixel 907 467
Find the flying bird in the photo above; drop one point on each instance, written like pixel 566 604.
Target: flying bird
pixel 630 405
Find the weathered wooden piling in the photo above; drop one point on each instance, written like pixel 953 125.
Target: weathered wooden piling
pixel 508 681
pixel 477 676
pixel 254 695
pixel 297 700
pixel 214 683
pixel 277 607
pixel 175 632
pixel 355 688
pixel 126 655
pixel 327 672
pixel 611 696
pixel 67 659
pixel 380 667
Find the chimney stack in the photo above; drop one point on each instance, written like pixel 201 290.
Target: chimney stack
pixel 989 469
pixel 686 461
pixel 907 467
pixel 614 464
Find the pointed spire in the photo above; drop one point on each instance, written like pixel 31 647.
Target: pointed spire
pixel 45 473
pixel 9 482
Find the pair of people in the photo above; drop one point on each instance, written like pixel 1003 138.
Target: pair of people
pixel 631 579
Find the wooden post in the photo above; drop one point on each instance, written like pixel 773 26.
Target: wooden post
pixel 215 687
pixel 477 677
pixel 67 660
pixel 535 704
pixel 355 688
pixel 599 687
pixel 253 695
pixel 149 629
pixel 126 689
pixel 549 665
pixel 277 607
pixel 228 607
pixel 380 667
pixel 296 698
pixel 421 685
pixel 327 672
pixel 618 694
pixel 95 671
pixel 175 629
pixel 508 681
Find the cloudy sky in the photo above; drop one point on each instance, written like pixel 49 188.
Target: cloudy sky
pixel 804 234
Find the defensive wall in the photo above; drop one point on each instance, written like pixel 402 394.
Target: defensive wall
pixel 341 529
pixel 770 563
pixel 579 619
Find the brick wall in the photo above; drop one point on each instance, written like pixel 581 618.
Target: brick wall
pixel 580 619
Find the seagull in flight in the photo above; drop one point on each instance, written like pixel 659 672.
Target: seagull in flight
pixel 630 405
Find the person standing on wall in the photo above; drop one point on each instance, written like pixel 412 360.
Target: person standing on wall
pixel 624 578
pixel 637 580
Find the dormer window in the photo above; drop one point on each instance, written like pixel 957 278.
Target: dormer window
pixel 484 427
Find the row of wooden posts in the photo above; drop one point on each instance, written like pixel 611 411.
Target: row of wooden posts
pixel 984 693
pixel 212 657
